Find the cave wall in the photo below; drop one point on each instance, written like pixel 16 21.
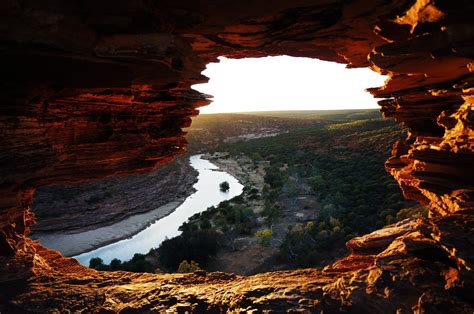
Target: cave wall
pixel 96 89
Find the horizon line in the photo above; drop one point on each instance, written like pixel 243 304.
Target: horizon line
pixel 296 110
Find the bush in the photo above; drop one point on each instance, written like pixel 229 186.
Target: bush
pixel 138 264
pixel 205 224
pixel 96 263
pixel 275 177
pixel 264 236
pixel 415 211
pixel 115 264
pixel 197 245
pixel 272 212
pixel 185 267
pixel 224 186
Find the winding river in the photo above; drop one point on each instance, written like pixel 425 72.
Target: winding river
pixel 207 194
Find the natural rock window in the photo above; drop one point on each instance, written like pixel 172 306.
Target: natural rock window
pixel 102 90
pixel 283 211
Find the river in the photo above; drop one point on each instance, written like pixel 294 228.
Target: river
pixel 207 194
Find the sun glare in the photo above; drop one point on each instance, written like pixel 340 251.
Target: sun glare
pixel 286 83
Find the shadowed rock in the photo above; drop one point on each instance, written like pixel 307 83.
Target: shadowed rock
pixel 96 89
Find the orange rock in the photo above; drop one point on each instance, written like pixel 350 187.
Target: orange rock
pixel 96 89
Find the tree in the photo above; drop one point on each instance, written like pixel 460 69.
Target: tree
pixel 272 212
pixel 115 264
pixel 316 182
pixel 275 177
pixel 197 245
pixel 97 263
pixel 205 224
pixel 224 186
pixel 185 267
pixel 138 264
pixel 255 156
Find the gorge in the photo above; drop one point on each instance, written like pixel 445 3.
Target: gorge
pixel 96 90
pixel 207 194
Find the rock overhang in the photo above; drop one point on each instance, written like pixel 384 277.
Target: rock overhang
pixel 103 89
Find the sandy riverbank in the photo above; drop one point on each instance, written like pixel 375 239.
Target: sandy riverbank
pixel 240 167
pixel 72 244
pixel 74 208
pixel 75 219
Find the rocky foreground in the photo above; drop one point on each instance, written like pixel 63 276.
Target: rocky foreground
pixel 402 268
pixel 95 89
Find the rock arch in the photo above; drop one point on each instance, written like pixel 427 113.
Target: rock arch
pixel 94 89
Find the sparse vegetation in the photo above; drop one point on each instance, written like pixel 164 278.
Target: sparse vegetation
pixel 330 172
pixel 342 163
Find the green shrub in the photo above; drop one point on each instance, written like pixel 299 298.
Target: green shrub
pixel 264 236
pixel 185 267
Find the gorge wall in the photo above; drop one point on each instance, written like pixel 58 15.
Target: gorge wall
pixel 95 89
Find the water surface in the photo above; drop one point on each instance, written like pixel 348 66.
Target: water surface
pixel 207 194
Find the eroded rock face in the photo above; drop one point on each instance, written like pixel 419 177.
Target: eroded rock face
pixel 96 89
pixel 401 268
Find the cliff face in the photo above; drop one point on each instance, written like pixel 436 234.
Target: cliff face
pixel 95 89
pixel 82 207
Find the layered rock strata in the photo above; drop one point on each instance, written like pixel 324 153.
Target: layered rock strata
pixel 81 207
pixel 96 89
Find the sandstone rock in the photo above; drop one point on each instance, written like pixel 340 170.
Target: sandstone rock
pixel 96 89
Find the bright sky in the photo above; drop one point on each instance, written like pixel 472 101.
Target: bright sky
pixel 286 83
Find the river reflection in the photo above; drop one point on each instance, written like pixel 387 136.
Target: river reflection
pixel 207 194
